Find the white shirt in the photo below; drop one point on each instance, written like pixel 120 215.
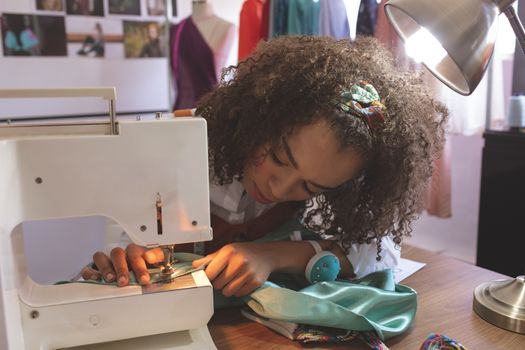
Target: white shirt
pixel 231 203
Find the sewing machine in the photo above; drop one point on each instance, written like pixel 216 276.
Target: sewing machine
pixel 149 176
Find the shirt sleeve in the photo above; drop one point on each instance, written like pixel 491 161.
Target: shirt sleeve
pixel 363 257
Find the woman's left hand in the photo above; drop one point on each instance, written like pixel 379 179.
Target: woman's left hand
pixel 238 268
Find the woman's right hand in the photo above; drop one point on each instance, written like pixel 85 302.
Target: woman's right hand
pixel 116 268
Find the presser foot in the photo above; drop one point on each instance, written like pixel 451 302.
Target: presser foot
pixel 169 274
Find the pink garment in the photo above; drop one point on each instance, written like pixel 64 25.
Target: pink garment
pixel 439 196
pixel 386 34
pixel 438 199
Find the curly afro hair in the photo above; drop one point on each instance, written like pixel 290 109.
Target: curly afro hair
pixel 292 81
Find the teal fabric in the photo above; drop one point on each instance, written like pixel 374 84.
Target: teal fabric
pixel 303 17
pixel 372 303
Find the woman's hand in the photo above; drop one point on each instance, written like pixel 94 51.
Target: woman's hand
pixel 238 268
pixel 115 267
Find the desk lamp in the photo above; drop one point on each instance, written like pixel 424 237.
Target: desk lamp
pixel 455 41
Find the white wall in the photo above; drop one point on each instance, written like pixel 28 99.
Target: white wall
pixel 142 84
pixel 456 236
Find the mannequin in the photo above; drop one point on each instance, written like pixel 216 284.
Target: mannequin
pixel 200 46
pixel 218 33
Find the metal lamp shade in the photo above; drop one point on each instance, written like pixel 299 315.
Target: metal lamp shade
pixel 465 28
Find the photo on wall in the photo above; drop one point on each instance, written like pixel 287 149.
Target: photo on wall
pixel 124 7
pixel 85 7
pixel 50 5
pixel 92 44
pixel 143 39
pixel 33 35
pixel 156 7
pixel 94 37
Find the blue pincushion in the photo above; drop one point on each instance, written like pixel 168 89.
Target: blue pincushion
pixel 323 266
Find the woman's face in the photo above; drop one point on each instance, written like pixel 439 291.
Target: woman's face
pixel 309 163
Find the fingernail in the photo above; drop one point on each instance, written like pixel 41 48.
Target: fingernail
pixel 110 277
pixel 93 277
pixel 143 279
pixel 122 280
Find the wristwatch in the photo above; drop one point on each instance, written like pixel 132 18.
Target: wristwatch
pixel 323 266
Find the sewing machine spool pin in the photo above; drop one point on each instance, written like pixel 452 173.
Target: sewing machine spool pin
pixel 158 206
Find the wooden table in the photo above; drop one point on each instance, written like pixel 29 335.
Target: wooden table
pixel 445 287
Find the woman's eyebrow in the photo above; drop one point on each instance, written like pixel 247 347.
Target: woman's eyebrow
pixel 292 160
pixel 289 153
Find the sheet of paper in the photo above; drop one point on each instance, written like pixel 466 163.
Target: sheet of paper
pixel 405 268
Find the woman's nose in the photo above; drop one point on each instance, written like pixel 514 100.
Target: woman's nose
pixel 282 187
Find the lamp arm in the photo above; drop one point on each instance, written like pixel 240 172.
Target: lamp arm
pixel 516 25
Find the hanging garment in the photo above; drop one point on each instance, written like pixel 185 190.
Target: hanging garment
pixel 367 18
pixel 192 64
pixel 280 18
pixel 265 20
pixel 250 26
pixel 438 200
pixel 303 17
pixel 385 33
pixel 333 20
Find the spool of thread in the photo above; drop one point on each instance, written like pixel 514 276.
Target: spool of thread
pixel 516 112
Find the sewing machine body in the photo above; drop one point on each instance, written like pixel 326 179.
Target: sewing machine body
pixel 73 171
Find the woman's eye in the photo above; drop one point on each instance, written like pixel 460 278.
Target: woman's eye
pixel 307 190
pixel 276 160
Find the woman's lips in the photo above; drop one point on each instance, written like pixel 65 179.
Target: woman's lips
pixel 259 197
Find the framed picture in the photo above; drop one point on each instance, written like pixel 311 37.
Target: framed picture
pixel 143 39
pixel 156 7
pixel 124 7
pixel 85 7
pixel 50 5
pixel 33 35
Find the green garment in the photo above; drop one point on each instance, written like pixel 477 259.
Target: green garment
pixel 303 17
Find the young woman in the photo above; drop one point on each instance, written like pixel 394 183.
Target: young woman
pixel 331 132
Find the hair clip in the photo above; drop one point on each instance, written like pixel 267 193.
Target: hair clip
pixel 362 101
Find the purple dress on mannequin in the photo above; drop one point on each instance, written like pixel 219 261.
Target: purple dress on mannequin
pixel 192 64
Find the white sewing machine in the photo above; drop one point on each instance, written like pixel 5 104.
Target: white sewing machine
pixel 149 176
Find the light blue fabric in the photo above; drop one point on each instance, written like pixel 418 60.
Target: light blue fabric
pixel 333 20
